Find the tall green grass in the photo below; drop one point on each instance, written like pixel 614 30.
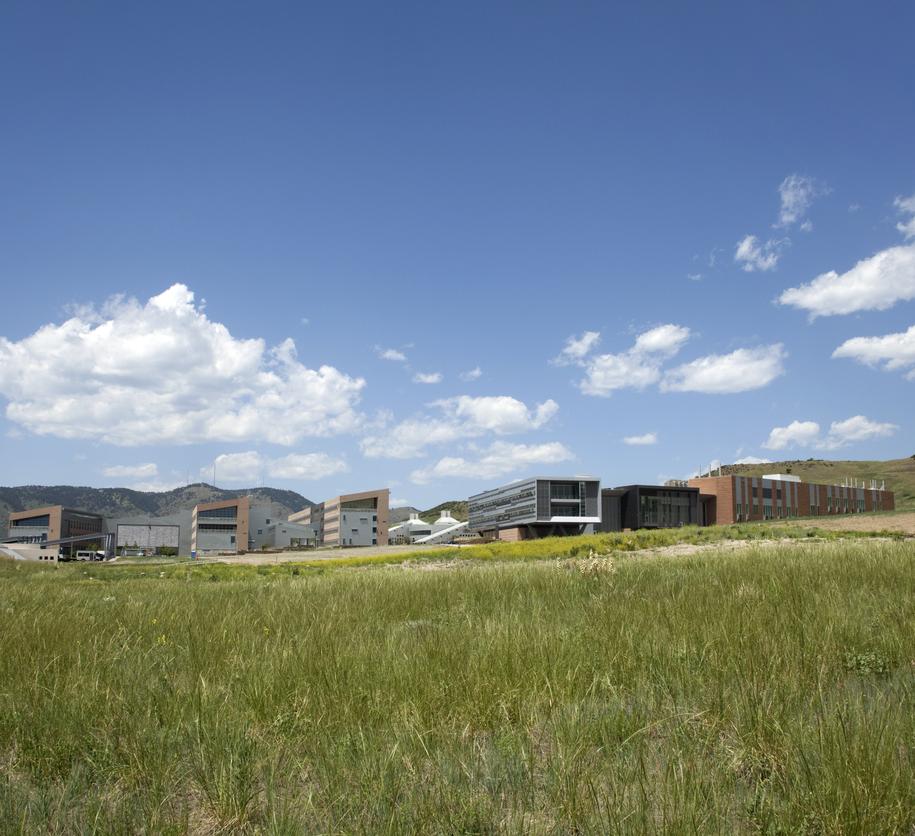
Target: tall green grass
pixel 766 691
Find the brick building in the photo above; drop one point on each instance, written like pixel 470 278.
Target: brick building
pixel 730 499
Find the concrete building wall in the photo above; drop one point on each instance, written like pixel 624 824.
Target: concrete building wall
pixel 148 532
pixel 285 535
pixel 261 519
pixel 23 523
pixel 60 523
pixel 212 531
pixel 355 519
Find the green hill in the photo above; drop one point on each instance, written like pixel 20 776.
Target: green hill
pixel 898 473
pixel 457 507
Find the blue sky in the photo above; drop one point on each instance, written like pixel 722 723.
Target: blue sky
pixel 545 208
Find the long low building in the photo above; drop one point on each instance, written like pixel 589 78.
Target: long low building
pixel 731 499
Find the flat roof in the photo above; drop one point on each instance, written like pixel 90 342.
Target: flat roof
pixel 538 479
pixel 654 488
pixel 47 509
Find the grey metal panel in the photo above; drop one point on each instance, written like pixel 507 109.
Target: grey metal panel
pixel 543 499
pixel 509 505
pixel 592 495
pixel 611 515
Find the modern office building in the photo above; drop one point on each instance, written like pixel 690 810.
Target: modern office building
pixel 54 522
pixel 354 519
pixel 649 506
pixel 536 507
pixel 221 526
pixel 234 525
pixel 777 495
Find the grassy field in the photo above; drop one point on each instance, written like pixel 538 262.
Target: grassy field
pixel 767 690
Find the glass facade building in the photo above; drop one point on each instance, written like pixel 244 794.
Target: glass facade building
pixel 649 506
pixel 536 507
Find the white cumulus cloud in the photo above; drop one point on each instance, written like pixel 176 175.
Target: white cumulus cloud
pixel 471 374
pixel 132 471
pixel 718 374
pixel 840 434
pixel 430 377
pixel 873 284
pixel 800 433
pixel 305 466
pixel 894 351
pixel 797 193
pixel 576 348
pixel 164 373
pixel 235 467
pixel 856 428
pixel 876 283
pixel 462 417
pixel 753 255
pixel 641 440
pixel 753 460
pixel 157 485
pixel 499 459
pixel 906 205
pixel 636 368
pixel 250 466
pixel 391 354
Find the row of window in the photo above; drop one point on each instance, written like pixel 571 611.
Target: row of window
pixel 503 499
pixel 743 511
pixel 837 505
pixel 221 513
pixel 32 522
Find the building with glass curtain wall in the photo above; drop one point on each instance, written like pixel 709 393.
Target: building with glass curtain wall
pixel 536 507
pixel 648 506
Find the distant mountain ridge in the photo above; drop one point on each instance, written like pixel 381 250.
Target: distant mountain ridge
pixel 124 502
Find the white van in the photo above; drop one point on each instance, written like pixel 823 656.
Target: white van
pixel 88 555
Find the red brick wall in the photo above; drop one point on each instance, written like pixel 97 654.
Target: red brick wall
pixel 721 487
